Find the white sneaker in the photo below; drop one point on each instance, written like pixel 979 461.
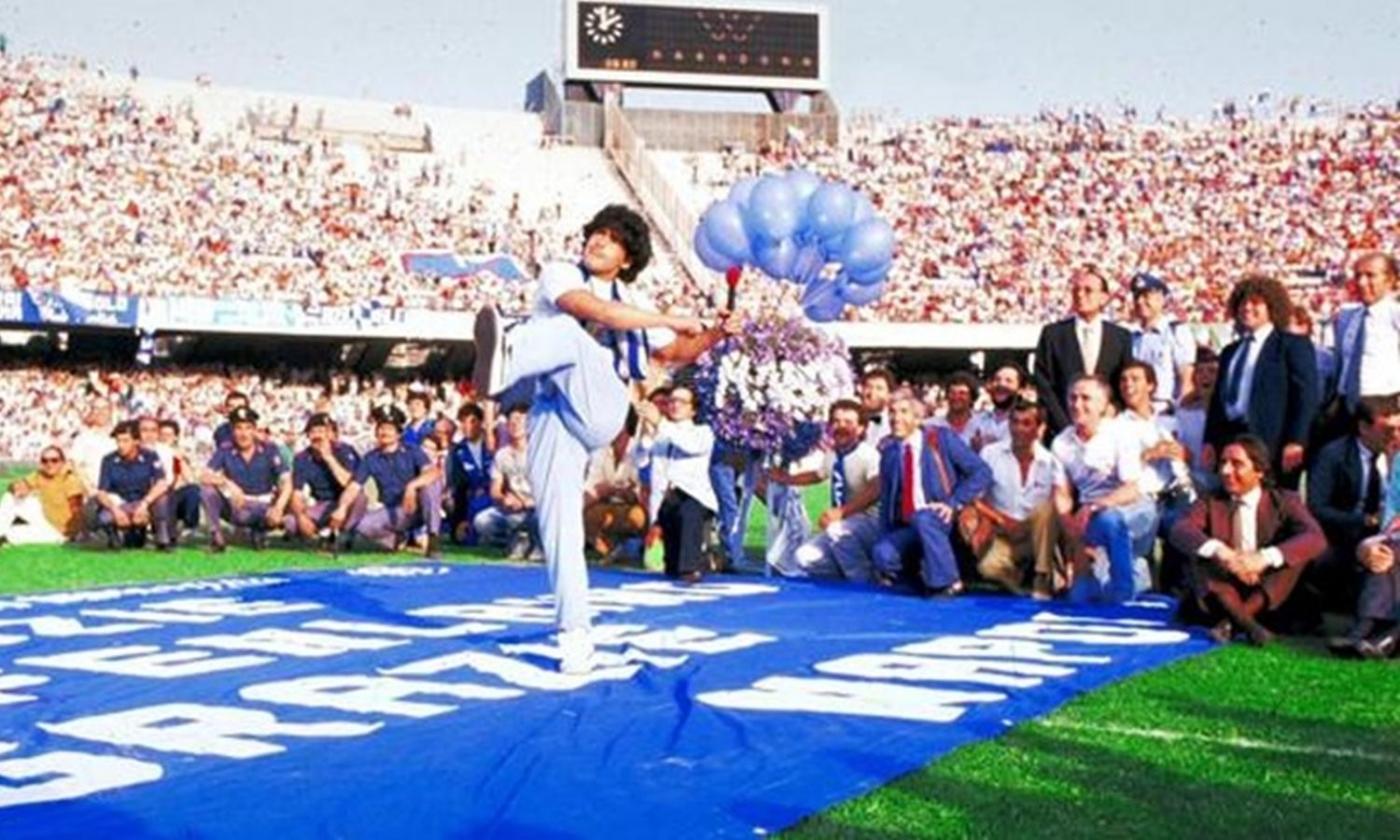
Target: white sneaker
pixel 492 353
pixel 575 652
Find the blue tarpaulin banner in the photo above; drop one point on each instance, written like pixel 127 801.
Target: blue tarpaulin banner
pixel 425 701
pixel 450 264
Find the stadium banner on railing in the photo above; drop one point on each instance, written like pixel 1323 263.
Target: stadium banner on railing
pixel 451 264
pixel 425 701
pixel 369 319
pixel 41 307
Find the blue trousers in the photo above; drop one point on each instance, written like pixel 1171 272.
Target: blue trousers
pixel 580 405
pixel 929 541
pixel 1124 533
pixel 725 480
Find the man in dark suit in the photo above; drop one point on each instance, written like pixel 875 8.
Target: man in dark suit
pixel 1345 491
pixel 1083 343
pixel 1248 543
pixel 1268 380
pixel 926 477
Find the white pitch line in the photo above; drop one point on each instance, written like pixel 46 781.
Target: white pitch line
pixel 1241 743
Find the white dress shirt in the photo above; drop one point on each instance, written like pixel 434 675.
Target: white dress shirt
pixel 877 427
pixel 1380 352
pixel 1240 409
pixel 1244 532
pixel 1012 496
pixel 1101 464
pixel 680 458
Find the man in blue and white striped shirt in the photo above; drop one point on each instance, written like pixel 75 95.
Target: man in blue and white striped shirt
pixel 589 338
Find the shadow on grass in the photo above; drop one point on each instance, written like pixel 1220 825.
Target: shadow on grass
pixel 1038 783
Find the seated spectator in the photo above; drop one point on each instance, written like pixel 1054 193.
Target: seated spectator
pixel 926 477
pixel 612 502
pixel 1004 388
pixel 421 423
pixel 469 473
pixel 247 483
pixel 321 506
pixel 46 506
pixel 876 388
pixel 131 490
pixel 962 392
pixel 1191 415
pixel 1347 491
pixel 848 529
pixel 1248 544
pixel 407 484
pixel 184 491
pixel 1106 509
pixel 1020 537
pixel 682 499
pixel 510 520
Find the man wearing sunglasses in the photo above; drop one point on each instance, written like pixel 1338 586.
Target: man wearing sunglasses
pixel 45 507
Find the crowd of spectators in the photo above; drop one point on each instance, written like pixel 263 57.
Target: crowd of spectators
pixel 991 216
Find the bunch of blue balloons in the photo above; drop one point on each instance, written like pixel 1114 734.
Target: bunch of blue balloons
pixel 792 227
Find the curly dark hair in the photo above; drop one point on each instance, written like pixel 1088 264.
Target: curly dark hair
pixel 1257 451
pixel 1270 290
pixel 631 232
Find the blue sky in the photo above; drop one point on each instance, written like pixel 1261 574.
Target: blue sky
pixel 921 58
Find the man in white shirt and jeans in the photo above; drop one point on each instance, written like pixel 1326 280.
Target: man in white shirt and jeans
pixel 589 338
pixel 1103 465
pixel 682 498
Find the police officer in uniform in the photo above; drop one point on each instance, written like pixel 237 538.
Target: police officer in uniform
pixel 131 492
pixel 321 477
pixel 407 480
pixel 247 483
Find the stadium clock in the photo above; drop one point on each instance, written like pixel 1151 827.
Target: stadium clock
pixel 697 44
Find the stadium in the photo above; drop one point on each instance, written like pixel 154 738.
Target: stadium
pixel 299 465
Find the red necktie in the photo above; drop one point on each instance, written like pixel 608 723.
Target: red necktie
pixel 906 502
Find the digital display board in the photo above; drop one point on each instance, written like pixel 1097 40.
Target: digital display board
pixel 649 42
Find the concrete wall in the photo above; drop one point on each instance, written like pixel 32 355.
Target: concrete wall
pixel 705 131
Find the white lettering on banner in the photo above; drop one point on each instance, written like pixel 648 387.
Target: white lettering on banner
pixel 7 746
pixel 997 648
pixel 233 608
pixel 896 666
pixel 195 729
pixel 451 631
pixel 530 614
pixel 1050 628
pixel 512 671
pixel 623 598
pixel 722 590
pixel 683 638
pixel 298 643
pixel 144 661
pixel 59 776
pixel 9 682
pixel 91 596
pixel 57 627
pixel 603 607
pixel 848 697
pixel 371 695
pixel 157 617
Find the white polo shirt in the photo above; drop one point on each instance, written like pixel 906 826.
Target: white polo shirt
pixel 1012 496
pixel 1101 464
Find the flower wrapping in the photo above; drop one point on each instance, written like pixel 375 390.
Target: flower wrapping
pixel 767 390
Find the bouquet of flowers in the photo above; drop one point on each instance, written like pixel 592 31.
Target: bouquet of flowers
pixel 767 390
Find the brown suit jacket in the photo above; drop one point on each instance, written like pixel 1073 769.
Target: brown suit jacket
pixel 1283 523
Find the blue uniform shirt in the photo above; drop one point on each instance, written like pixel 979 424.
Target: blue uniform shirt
pixel 469 473
pixel 309 469
pixel 223 436
pixel 415 435
pixel 391 471
pixel 256 476
pixel 130 479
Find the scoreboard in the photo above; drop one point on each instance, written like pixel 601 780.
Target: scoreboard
pixel 697 44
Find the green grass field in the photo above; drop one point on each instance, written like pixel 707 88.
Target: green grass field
pixel 1283 742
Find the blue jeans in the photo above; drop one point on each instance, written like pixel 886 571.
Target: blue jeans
pixel 1125 533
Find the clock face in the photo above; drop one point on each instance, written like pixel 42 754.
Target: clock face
pixel 603 25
